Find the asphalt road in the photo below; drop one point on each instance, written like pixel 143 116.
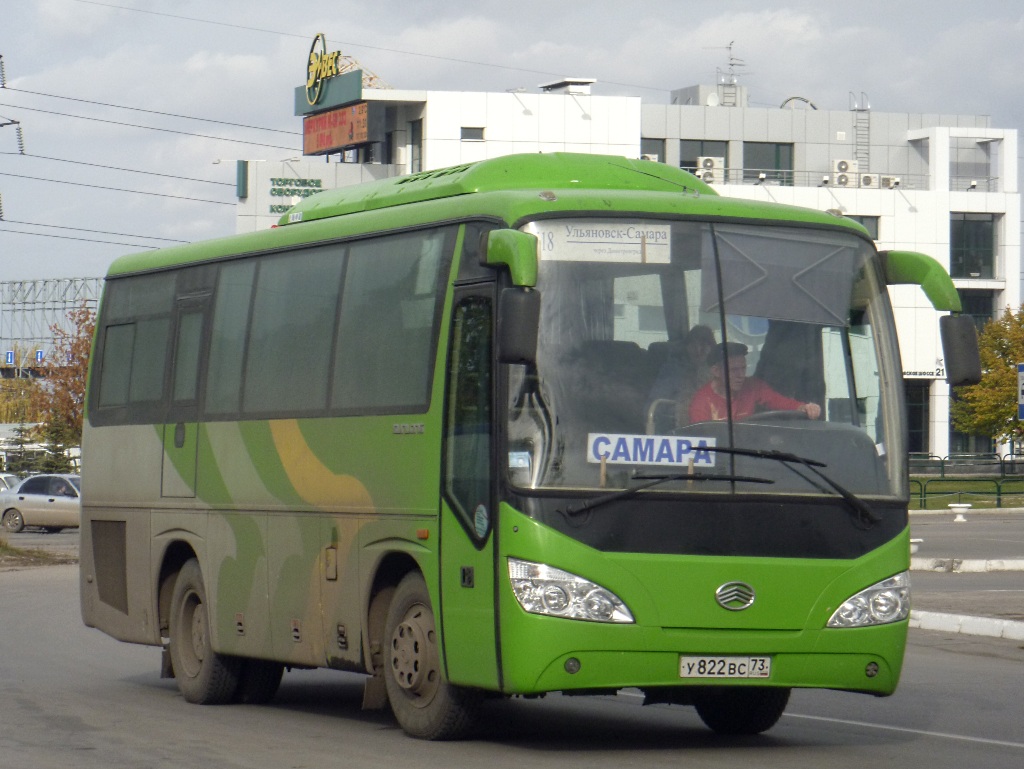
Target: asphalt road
pixel 71 696
pixel 972 567
pixel 980 536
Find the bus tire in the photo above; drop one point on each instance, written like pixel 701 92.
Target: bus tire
pixel 204 676
pixel 741 710
pixel 424 703
pixel 258 681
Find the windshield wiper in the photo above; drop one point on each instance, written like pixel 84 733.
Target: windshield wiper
pixel 657 480
pixel 862 513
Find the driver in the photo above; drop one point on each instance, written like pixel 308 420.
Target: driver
pixel 747 394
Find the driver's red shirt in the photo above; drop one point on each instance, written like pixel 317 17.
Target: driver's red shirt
pixel 709 406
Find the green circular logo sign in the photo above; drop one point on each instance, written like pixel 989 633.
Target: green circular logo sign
pixel 320 66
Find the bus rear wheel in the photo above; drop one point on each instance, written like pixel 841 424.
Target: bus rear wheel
pixel 424 703
pixel 741 710
pixel 204 676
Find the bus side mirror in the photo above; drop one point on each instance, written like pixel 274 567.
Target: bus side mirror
pixel 518 323
pixel 517 251
pixel 960 349
pixel 915 268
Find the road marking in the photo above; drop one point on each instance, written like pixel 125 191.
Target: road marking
pixel 923 732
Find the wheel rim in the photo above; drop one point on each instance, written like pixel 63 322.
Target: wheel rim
pixel 12 520
pixel 414 659
pixel 193 622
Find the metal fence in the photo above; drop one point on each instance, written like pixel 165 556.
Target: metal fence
pixel 967 464
pixel 940 493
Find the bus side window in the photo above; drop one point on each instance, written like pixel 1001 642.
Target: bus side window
pixel 388 321
pixel 228 337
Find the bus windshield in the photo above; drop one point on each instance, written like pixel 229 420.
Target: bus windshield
pixel 707 350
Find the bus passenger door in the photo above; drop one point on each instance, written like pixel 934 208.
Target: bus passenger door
pixel 468 612
pixel 181 429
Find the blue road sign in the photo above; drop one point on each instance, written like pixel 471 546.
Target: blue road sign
pixel 1020 391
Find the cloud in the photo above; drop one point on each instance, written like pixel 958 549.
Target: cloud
pixel 66 21
pixel 238 61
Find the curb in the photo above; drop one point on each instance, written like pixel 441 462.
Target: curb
pixel 968 565
pixel 974 511
pixel 967 625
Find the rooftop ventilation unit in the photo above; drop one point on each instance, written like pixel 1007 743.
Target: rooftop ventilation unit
pixel 711 169
pixel 844 173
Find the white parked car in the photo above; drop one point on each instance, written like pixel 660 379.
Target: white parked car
pixel 52 502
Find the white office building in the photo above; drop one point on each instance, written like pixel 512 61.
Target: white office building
pixel 942 184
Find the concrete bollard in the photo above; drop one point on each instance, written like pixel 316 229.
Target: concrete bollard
pixel 959 509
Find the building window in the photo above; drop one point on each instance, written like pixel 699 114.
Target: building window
pixel 870 223
pixel 653 149
pixel 472 134
pixel 979 305
pixel 691 149
pixel 773 160
pixel 415 146
pixel 962 443
pixel 972 245
pixel 917 415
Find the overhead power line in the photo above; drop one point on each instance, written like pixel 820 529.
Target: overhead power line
pixel 97 232
pixel 81 240
pixel 119 168
pixel 153 111
pixel 545 73
pixel 192 18
pixel 151 128
pixel 118 189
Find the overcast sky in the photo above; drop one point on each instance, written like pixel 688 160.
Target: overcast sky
pixel 125 64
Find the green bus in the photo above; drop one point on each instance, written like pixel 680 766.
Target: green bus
pixel 434 429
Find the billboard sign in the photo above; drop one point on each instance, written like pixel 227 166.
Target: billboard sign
pixel 335 130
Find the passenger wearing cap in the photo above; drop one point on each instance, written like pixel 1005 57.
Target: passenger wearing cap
pixel 747 394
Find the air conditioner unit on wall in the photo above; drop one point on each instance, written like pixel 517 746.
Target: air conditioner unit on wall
pixel 653 157
pixel 869 180
pixel 844 173
pixel 710 169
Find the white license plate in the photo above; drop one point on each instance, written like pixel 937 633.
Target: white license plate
pixel 725 667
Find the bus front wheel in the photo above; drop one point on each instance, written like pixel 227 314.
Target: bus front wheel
pixel 204 676
pixel 424 703
pixel 741 710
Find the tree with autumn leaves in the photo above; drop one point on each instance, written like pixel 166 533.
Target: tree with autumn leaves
pixel 990 407
pixel 59 396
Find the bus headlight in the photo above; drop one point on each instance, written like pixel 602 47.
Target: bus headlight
pixel 882 603
pixel 543 589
